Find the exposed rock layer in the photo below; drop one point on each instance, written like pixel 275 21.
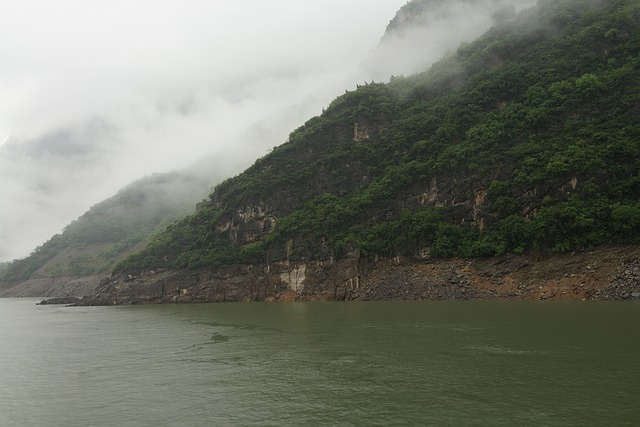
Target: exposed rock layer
pixel 606 273
pixel 611 273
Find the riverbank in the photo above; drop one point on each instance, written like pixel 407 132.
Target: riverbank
pixel 605 273
pixel 608 273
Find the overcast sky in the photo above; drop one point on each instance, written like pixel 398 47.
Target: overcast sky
pixel 97 93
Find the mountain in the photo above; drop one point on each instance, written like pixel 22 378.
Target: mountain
pixel 109 230
pixel 525 141
pixel 493 174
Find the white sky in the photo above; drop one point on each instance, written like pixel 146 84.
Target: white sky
pixel 97 93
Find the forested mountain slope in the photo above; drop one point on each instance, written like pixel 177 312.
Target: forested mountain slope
pixel 525 140
pixel 110 229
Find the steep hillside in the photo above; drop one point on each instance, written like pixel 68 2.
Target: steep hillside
pixel 111 229
pixel 525 140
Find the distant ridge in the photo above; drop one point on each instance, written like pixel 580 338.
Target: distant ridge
pixel 109 230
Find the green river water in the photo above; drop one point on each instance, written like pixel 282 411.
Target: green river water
pixel 314 364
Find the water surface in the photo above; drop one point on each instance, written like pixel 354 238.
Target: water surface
pixel 364 364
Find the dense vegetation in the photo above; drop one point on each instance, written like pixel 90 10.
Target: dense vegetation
pixel 527 139
pixel 100 237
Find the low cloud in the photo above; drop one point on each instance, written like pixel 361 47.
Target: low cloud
pixel 428 29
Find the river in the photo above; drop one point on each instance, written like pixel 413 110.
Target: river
pixel 344 364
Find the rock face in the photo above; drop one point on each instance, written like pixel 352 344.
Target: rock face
pixel 611 273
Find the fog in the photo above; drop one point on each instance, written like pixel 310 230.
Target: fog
pixel 434 28
pixel 94 95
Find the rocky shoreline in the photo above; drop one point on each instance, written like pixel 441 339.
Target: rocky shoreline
pixel 608 273
pixel 60 301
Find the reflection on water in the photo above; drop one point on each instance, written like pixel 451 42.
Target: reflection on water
pixel 395 363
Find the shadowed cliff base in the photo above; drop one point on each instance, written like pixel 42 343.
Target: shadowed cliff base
pixel 605 273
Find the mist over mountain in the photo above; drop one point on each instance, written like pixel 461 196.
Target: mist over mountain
pixel 111 229
pixel 423 31
pixel 523 141
pixel 110 132
pixel 96 95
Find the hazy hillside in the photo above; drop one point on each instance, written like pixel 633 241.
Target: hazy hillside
pixel 110 229
pixel 423 31
pixel 524 140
